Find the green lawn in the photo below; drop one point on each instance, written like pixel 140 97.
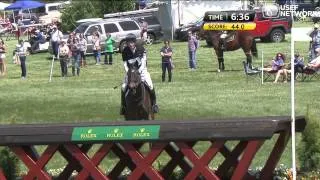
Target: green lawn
pixel 200 94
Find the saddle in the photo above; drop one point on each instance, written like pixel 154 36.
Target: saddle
pixel 230 38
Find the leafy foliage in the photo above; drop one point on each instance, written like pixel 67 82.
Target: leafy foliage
pixel 9 163
pixel 92 9
pixel 309 153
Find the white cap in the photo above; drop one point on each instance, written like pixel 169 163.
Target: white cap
pixel 37 31
pixel 316 25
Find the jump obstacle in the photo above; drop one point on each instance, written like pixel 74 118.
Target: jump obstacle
pixel 174 139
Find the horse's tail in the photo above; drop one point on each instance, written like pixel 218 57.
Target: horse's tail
pixel 254 49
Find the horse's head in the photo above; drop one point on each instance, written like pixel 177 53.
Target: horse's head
pixel 134 78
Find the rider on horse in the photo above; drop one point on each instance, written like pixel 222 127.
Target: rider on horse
pixel 224 37
pixel 134 55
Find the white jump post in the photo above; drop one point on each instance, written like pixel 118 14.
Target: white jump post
pixel 262 67
pixel 51 69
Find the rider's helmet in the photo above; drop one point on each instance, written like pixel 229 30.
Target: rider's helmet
pixel 316 26
pixel 131 38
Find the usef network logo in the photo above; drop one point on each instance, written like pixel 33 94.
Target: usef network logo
pixel 271 11
pixel 287 10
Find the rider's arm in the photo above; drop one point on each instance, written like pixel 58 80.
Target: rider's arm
pixel 143 62
pixel 125 58
pixel 125 66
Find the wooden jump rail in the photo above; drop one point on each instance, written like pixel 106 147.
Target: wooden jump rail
pixel 124 140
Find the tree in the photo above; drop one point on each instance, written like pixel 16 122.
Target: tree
pixel 83 9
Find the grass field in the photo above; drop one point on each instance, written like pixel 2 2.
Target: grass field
pixel 200 94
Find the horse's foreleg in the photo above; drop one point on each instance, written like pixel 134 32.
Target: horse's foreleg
pixel 220 59
pixel 249 60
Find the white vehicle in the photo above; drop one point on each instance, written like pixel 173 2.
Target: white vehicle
pixel 52 11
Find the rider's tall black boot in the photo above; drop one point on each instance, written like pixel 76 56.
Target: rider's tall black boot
pixel 123 108
pixel 155 107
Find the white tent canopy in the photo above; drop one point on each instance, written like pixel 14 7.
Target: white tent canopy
pixel 3 5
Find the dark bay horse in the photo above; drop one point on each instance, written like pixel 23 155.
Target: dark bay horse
pixel 138 101
pixel 239 39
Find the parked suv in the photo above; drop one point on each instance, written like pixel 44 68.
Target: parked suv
pixel 118 28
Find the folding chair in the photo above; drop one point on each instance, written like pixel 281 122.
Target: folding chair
pixel 250 73
pixel 308 74
pixel 270 75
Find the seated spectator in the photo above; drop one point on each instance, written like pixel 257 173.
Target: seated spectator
pixel 298 64
pixel 276 64
pixel 39 39
pixel 284 72
pixel 314 64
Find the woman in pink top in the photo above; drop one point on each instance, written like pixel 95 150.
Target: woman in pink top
pixel 3 66
pixel 96 48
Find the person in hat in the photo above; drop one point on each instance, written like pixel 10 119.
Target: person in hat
pixel 56 37
pixel 64 52
pixel 315 41
pixel 135 55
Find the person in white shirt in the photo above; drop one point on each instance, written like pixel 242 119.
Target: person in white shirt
pixel 64 57
pixel 83 49
pixel 56 37
pixel 22 53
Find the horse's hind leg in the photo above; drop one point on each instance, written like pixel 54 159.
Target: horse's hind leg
pixel 220 59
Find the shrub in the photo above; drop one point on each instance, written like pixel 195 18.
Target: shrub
pixel 309 151
pixel 9 163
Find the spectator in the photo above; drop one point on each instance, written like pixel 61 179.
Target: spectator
pixel 22 54
pixel 64 57
pixel 314 64
pixel 96 47
pixel 75 49
pixel 83 49
pixel 109 49
pixel 298 64
pixel 39 39
pixel 96 31
pixel 3 66
pixel 192 47
pixel 315 43
pixel 144 28
pixel 166 54
pixel 276 64
pixel 70 42
pixel 56 37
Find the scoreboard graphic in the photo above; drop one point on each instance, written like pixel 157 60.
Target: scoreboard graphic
pixel 229 20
